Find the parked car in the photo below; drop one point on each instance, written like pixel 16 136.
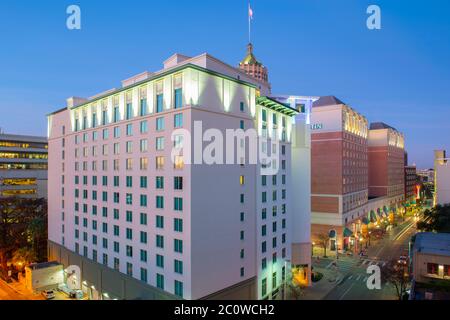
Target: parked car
pixel 48 294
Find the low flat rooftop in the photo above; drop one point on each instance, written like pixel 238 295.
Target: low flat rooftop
pixel 36 266
pixel 433 243
pixel 22 138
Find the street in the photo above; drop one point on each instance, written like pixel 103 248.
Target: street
pixel 354 270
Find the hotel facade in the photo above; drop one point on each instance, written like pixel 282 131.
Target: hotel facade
pixel 339 171
pixel 23 166
pixel 144 222
pixel 348 159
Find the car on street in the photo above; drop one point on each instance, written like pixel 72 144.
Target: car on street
pixel 403 260
pixel 48 294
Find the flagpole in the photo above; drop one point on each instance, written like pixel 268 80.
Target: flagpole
pixel 249 24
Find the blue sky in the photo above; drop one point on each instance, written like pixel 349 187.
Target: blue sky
pixel 399 75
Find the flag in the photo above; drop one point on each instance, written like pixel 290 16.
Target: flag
pixel 250 12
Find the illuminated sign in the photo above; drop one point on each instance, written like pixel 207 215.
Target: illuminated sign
pixel 317 126
pixel 418 192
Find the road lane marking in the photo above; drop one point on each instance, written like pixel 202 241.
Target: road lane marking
pixel 346 291
pixel 359 277
pixel 350 278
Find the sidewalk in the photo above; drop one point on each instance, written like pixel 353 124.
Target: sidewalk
pixel 320 289
pixel 21 290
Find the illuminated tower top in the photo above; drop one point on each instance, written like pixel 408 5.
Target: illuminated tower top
pixel 251 66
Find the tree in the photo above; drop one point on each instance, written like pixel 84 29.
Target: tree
pixel 323 240
pixel 436 220
pixel 397 275
pixel 295 290
pixel 23 256
pixel 23 224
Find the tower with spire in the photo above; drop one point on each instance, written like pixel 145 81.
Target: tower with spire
pixel 251 66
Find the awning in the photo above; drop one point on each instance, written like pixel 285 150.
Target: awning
pixel 372 216
pixel 348 233
pixel 365 221
pixel 380 213
pixel 332 234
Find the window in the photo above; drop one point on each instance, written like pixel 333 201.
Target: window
pixel 129 251
pixel 242 216
pixel 143 108
pixel 144 182
pixel 274 280
pixel 242 124
pixel 178 120
pixel 178 204
pixel 178 266
pixel 264 214
pixel 143 219
pixel 178 183
pixel 143 237
pixel 160 222
pixel 143 255
pixel 104 117
pixel 160 202
pixel 179 288
pixel 242 106
pixel 143 162
pixel 160 124
pixel 241 180
pixel 159 261
pixel 129 129
pixel 178 225
pixel 129 111
pixel 116 114
pixel 160 143
pixel 143 145
pixel 160 241
pixel 129 147
pixel 242 198
pixel 264 287
pixel 129 181
pixel 129 234
pixel 129 216
pixel 178 162
pixel 178 245
pixel 264 264
pixel 143 200
pixel 159 182
pixel 144 126
pixel 160 281
pixel 129 269
pixel 159 103
pixel 143 274
pixel 116 132
pixel 178 95
pixel 159 163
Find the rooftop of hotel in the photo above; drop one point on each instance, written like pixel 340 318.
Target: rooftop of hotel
pixel 327 101
pixel 172 64
pixel 380 126
pixel 433 243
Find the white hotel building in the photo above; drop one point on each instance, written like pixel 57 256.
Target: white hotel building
pixel 141 226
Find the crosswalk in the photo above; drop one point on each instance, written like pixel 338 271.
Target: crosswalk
pixel 369 262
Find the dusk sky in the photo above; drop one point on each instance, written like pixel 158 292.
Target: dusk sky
pixel 399 74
